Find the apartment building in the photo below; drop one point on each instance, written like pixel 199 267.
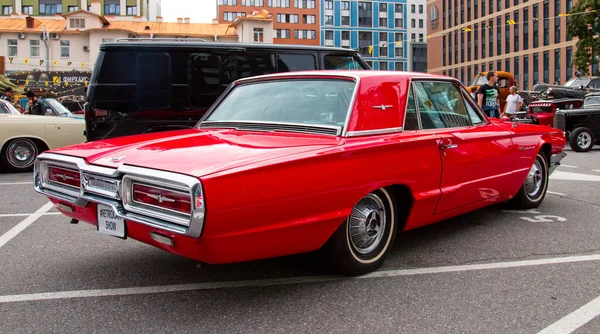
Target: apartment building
pixel 71 41
pixel 294 21
pixel 384 31
pixel 526 38
pixel 148 9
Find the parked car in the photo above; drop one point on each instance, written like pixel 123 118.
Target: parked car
pixel 336 161
pixel 7 108
pixel 505 81
pixel 74 106
pixel 23 137
pixel 575 88
pixel 581 126
pixel 148 86
pixel 544 110
pixel 55 108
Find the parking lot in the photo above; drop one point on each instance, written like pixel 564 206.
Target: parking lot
pixel 491 271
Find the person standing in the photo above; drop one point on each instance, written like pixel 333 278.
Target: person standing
pixel 514 103
pixel 35 107
pixel 487 95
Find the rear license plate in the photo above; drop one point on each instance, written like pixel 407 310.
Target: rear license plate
pixel 109 223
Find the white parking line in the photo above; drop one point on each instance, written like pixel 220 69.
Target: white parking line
pixel 9 215
pixel 575 320
pixel 24 224
pixel 568 166
pixel 14 183
pixel 555 193
pixel 287 281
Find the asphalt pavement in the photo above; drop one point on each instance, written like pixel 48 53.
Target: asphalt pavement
pixel 491 271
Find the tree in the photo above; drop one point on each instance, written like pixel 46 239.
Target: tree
pixel 586 27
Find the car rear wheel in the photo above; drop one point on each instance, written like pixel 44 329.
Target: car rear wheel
pixel 18 155
pixel 581 140
pixel 534 188
pixel 362 242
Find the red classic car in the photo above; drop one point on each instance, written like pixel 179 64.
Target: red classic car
pixel 544 110
pixel 335 161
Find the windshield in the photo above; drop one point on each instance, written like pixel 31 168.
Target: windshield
pixel 479 81
pixel 7 108
pixel 58 107
pixel 540 109
pixel 301 101
pixel 577 82
pixel 592 102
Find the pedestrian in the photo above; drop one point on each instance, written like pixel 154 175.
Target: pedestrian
pixel 487 96
pixel 35 107
pixel 10 97
pixel 514 103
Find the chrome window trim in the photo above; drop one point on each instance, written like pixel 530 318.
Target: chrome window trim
pixel 373 132
pixel 351 106
pixel 195 221
pixel 410 89
pixel 207 124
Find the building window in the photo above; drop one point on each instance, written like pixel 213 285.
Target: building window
pixel 475 9
pixel 413 9
pixel 328 4
pixel 525 28
pixel 483 67
pixel 569 66
pixel 328 20
pixel 131 10
pixel 525 72
pixel 345 5
pixel 569 7
pixel 421 25
pixel 498 65
pixel 72 8
pixel 12 48
pixel 468 47
pixel 258 35
pixel 413 23
pixel 383 65
pixel 536 41
pixel 28 10
pixel 469 75
pixel 536 65
pixel 507 34
pixel 50 9
pixel 499 34
pixel 34 48
pixel 516 72
pixel 491 37
pixel 383 44
pixel 345 36
pixel 546 66
pixel 443 50
pixel 309 19
pixel 112 9
pixel 483 43
pixel 399 66
pixel 65 49
pixel 77 23
pixel 398 50
pixel 282 33
pixel 7 10
pixel 443 14
pixel 516 31
pixel 365 39
pixel 476 69
pixel 456 47
pixel 507 65
pixel 345 20
pixel 476 40
pixel 546 24
pixel 557 66
pixel 557 21
pixel 365 14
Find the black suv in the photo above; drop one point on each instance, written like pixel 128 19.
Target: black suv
pixel 152 85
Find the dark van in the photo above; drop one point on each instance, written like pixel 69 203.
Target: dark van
pixel 152 85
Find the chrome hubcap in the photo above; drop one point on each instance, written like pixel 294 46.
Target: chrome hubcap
pixel 367 224
pixel 584 140
pixel 535 179
pixel 21 153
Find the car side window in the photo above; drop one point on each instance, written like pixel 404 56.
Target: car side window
pixel 595 84
pixel 441 105
pixel 287 62
pixel 411 120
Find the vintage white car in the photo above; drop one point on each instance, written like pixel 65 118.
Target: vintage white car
pixel 23 137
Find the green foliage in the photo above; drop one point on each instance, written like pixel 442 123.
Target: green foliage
pixel 586 27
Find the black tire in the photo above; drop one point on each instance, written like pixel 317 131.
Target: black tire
pixel 581 139
pixel 380 227
pixel 531 195
pixel 18 155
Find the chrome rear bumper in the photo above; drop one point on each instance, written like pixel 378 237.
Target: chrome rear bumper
pixel 555 160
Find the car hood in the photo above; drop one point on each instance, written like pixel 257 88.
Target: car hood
pixel 199 152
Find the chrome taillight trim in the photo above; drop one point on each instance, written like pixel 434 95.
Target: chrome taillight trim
pixel 190 225
pixel 42 178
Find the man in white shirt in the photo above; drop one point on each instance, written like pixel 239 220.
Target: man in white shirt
pixel 514 102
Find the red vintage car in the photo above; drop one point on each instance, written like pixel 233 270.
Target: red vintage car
pixel 544 110
pixel 288 163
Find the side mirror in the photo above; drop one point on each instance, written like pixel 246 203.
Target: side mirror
pixel 49 112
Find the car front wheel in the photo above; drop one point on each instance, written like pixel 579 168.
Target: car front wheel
pixel 362 242
pixel 581 140
pixel 19 154
pixel 534 188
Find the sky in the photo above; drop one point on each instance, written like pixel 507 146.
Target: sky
pixel 199 11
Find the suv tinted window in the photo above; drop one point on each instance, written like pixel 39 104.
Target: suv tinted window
pixel 154 80
pixel 249 65
pixel 334 62
pixel 296 62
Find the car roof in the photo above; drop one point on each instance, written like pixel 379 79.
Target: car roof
pixel 352 74
pixel 216 45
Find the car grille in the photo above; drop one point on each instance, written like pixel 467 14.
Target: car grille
pixel 559 121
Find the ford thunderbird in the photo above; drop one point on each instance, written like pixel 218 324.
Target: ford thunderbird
pixel 333 161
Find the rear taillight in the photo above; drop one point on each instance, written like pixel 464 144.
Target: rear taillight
pixel 162 198
pixel 64 176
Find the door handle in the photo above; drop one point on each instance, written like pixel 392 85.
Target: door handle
pixel 447 144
